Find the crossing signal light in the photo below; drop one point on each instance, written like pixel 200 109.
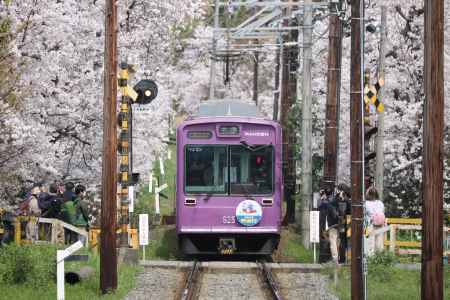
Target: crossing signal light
pixel 146 90
pixel 370 95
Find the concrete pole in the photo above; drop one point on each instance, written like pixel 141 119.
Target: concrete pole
pixel 306 123
pixel 255 77
pixel 212 76
pixel 379 169
pixel 276 94
pixel 433 153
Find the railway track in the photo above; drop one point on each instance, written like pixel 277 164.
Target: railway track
pixel 270 280
pixel 194 288
pixel 192 279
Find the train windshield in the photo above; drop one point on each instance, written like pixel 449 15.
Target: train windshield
pixel 251 169
pixel 206 169
pixel 235 169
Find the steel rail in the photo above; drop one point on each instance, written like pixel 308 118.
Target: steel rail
pixel 268 277
pixel 191 281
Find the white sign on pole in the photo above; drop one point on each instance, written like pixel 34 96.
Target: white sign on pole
pixel 314 229
pixel 143 229
pixel 316 200
pixel 131 199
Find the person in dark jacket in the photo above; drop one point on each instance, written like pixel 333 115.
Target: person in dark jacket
pixel 69 194
pixel 344 209
pixel 51 203
pixel 75 213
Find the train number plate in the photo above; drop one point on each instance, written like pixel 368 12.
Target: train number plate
pixel 228 219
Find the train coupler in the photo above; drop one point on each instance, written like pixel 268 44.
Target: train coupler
pixel 227 246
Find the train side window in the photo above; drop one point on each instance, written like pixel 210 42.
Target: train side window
pixel 205 169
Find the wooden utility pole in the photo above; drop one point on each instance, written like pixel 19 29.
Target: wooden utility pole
pixel 356 151
pixel 333 98
pixel 255 78
pixel 432 175
pixel 287 99
pixel 379 169
pixel 108 252
pixel 306 123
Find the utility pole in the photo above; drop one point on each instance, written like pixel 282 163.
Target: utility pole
pixel 306 122
pixel 108 252
pixel 356 150
pixel 432 175
pixel 333 97
pixel 213 55
pixel 255 78
pixel 287 99
pixel 276 94
pixel 379 169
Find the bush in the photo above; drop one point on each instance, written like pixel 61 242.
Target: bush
pixel 33 265
pixel 383 258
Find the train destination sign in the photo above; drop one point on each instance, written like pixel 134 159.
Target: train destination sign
pixel 249 213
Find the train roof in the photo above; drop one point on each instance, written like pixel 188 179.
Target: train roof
pixel 218 111
pixel 227 108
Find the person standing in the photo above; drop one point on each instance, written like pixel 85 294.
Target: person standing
pixel 34 212
pixel 344 209
pixel 69 194
pixel 375 213
pixel 332 222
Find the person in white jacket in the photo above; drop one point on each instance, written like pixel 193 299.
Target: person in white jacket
pixel 375 212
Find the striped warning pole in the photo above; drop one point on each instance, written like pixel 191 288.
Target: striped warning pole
pixel 124 153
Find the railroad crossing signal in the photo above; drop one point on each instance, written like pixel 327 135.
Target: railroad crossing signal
pixel 146 91
pixel 370 95
pixel 143 93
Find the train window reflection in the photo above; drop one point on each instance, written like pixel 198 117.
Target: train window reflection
pixel 251 170
pixel 206 169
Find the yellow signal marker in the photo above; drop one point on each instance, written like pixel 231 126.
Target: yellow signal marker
pixel 130 92
pixel 124 107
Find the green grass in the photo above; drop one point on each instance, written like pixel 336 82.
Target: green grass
pixel 145 203
pixel 88 289
pixel 163 244
pixel 385 283
pixel 291 249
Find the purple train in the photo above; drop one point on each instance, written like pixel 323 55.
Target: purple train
pixel 229 181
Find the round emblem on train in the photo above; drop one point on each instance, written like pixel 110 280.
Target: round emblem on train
pixel 249 213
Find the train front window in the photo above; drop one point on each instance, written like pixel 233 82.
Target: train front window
pixel 206 169
pixel 251 169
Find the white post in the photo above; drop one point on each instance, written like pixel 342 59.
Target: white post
pixel 314 247
pixel 131 199
pixel 161 166
pixel 60 274
pixel 61 255
pixel 150 182
pixel 169 154
pixel 157 212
